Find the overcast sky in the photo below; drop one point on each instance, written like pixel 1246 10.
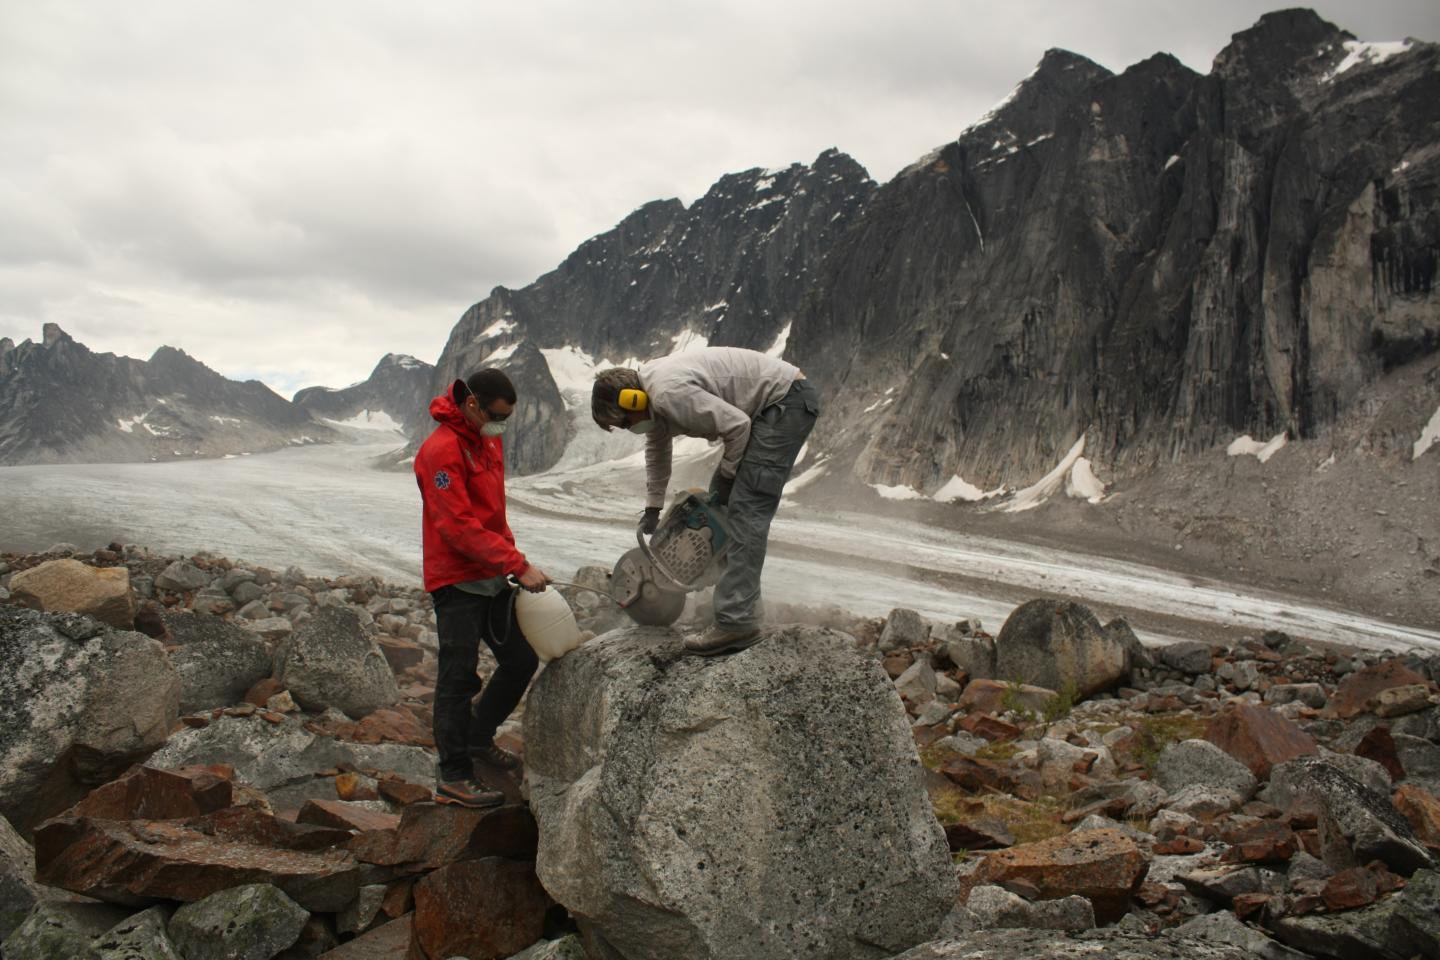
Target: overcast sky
pixel 290 190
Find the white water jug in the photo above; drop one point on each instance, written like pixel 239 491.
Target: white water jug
pixel 547 623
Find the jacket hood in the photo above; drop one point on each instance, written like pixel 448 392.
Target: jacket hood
pixel 444 409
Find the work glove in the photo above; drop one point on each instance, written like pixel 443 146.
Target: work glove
pixel 720 488
pixel 650 521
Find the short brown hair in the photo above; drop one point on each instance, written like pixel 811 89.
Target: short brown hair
pixel 605 396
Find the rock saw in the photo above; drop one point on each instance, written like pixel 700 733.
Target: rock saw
pixel 686 553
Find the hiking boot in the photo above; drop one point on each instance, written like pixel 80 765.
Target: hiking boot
pixel 495 756
pixel 719 640
pixel 470 793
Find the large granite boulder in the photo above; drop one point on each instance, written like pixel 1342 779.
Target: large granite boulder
pixel 60 931
pixel 1200 761
pixel 69 586
pixel 764 804
pixel 1060 645
pixel 217 662
pixel 79 702
pixel 329 661
pixel 254 921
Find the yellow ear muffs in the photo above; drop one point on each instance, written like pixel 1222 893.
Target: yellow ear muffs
pixel 633 400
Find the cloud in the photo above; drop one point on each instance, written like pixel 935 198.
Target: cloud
pixel 292 190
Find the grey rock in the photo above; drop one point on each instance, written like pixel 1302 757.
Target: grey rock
pixel 254 610
pixel 266 755
pixel 1201 762
pixel 1305 867
pixel 61 931
pixel 360 915
pixel 1287 779
pixel 646 768
pixel 993 908
pixel 217 662
pixel 182 575
pixel 141 937
pixel 1203 801
pixel 904 629
pixel 272 629
pixel 232 578
pixel 18 890
pixel 1105 944
pixel 1425 725
pixel 1310 694
pixel 1059 645
pixel 250 922
pixel 1186 656
pixel 1356 824
pixel 329 661
pixel 1226 883
pixel 566 948
pixel 1225 927
pixel 1421 760
pixel 974 655
pixel 936 711
pixel 917 683
pixel 247 592
pixel 79 702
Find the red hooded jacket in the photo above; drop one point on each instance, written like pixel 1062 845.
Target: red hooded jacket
pixel 462 489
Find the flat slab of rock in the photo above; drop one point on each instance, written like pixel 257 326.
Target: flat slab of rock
pixel 431 835
pixel 1103 866
pixel 767 804
pixel 390 941
pixel 1356 824
pixel 136 862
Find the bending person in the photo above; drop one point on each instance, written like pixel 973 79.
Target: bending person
pixel 762 409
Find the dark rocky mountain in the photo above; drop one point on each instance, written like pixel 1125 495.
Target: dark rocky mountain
pixel 733 269
pixel 398 390
pixel 60 402
pixel 1155 261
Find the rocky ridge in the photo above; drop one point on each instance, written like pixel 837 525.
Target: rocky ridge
pixel 62 403
pixel 397 392
pixel 1266 798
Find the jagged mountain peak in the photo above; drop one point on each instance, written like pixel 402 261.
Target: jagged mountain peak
pixel 1279 41
pixel 51 334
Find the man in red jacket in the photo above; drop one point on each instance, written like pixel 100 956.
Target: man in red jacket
pixel 469 556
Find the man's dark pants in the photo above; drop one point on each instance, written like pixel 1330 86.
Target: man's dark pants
pixel 463 620
pixel 776 437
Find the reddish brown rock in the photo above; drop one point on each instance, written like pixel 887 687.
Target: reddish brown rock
pixel 1379 746
pixel 1258 737
pixel 995 696
pixel 431 835
pixel 345 816
pixel 926 736
pixel 1400 701
pixel 401 654
pixel 392 725
pixel 350 786
pixel 990 727
pixel 403 792
pixel 260 694
pixel 482 909
pixel 976 775
pixel 1350 888
pixel 1247 905
pixel 897 662
pixel 389 941
pixel 982 833
pixel 1263 842
pixel 145 793
pixel 1104 866
pixel 399 897
pixel 1355 692
pixel 1422 809
pixel 1178 846
pixel 136 862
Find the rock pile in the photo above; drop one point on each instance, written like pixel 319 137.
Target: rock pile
pixel 250 751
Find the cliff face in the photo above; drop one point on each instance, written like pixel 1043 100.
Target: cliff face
pixel 1156 261
pixel 399 388
pixel 734 269
pixel 61 402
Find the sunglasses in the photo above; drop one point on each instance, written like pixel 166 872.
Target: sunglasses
pixel 496 417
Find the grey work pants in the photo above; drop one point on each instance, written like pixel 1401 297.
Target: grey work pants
pixel 776 437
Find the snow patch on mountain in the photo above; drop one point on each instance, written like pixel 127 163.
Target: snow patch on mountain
pixel 1063 476
pixel 897 491
pixel 1243 445
pixel 1428 436
pixel 369 420
pixel 1368 53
